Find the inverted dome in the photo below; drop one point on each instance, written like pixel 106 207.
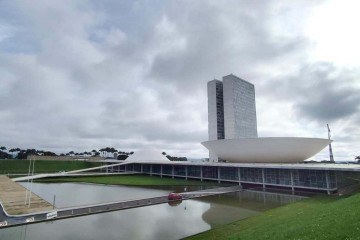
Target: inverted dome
pixel 147 156
pixel 266 150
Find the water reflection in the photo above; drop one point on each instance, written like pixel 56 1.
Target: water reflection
pixel 235 206
pixel 153 222
pixel 175 203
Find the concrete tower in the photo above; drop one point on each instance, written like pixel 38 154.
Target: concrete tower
pixel 215 110
pixel 231 110
pixel 239 108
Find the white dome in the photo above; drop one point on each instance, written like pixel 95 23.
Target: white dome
pixel 147 156
pixel 266 150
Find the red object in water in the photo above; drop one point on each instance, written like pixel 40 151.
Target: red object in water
pixel 174 196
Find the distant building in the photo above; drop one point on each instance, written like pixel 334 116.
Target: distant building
pixel 107 154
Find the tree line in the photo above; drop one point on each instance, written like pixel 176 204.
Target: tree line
pixel 24 153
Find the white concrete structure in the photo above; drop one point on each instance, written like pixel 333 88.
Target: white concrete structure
pixel 231 110
pixel 216 128
pixel 147 156
pixel 266 150
pixel 107 154
pixel 239 108
pixel 233 128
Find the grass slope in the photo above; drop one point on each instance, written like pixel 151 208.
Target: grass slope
pixel 41 166
pixel 131 180
pixel 314 218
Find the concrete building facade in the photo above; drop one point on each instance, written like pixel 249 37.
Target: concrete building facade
pixel 231 110
pixel 215 110
pixel 239 108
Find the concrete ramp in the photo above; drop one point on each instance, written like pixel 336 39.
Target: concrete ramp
pixel 12 198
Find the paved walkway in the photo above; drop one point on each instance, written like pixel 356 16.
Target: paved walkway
pixel 106 207
pixel 12 197
pixel 63 174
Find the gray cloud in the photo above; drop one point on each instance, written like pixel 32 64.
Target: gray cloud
pixel 88 74
pixel 218 38
pixel 319 91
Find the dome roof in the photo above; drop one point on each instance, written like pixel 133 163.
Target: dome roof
pixel 266 150
pixel 147 156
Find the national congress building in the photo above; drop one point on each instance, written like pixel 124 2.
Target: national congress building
pixel 233 133
pixel 231 110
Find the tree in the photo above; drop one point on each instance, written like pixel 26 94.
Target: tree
pixel 48 153
pixel 357 158
pixel 94 153
pixel 15 150
pixel 5 155
pixel 163 153
pixel 122 157
pixel 108 149
pixel 171 158
pixel 24 153
pixel 3 148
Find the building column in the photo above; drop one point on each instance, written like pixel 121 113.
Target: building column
pixel 263 178
pixel 150 169
pixel 172 171
pixel 161 171
pixel 142 169
pixel 218 174
pixel 327 176
pixel 201 173
pixel 186 172
pixel 239 176
pixel 292 181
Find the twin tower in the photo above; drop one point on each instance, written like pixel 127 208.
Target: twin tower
pixel 231 109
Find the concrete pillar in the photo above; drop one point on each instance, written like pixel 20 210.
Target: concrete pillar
pixel 151 169
pixel 142 169
pixel 172 171
pixel 327 175
pixel 239 176
pixel 161 170
pixel 201 173
pixel 218 174
pixel 186 172
pixel 292 180
pixel 263 178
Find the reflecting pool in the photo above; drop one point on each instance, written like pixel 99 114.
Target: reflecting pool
pixel 161 221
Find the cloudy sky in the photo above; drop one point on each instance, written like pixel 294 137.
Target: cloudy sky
pixel 79 75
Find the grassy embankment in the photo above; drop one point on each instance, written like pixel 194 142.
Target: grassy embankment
pixel 314 218
pixel 131 180
pixel 42 166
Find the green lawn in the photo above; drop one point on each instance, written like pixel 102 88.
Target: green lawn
pixel 132 180
pixel 314 218
pixel 42 166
